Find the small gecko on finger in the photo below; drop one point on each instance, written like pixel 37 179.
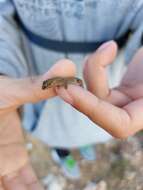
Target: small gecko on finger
pixel 61 82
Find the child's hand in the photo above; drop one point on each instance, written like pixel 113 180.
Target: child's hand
pixel 15 170
pixel 119 111
pixel 16 92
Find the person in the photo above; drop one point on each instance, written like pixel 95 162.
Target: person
pixel 85 25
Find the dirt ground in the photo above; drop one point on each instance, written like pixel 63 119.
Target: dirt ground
pixel 119 166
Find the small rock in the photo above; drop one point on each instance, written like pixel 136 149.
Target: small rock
pixel 52 182
pixel 101 186
pixel 29 146
pixel 90 186
pixel 130 175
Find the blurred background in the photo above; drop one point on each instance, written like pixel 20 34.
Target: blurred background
pixel 119 165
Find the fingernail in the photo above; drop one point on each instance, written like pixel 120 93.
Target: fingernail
pixel 104 46
pixel 63 93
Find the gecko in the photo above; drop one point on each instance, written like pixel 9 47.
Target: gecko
pixel 61 82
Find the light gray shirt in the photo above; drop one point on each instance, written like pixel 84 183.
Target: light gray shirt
pixel 70 20
pixel 90 20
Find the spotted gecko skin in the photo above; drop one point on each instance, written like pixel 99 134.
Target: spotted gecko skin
pixel 61 82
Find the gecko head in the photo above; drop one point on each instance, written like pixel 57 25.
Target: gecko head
pixel 79 81
pixel 47 84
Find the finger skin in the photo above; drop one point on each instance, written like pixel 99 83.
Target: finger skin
pixel 1 185
pixel 35 92
pixel 16 92
pixel 14 183
pixel 132 82
pixel 8 123
pixel 96 76
pixel 12 157
pixel 24 179
pixel 134 73
pixel 29 178
pixel 119 122
pixel 13 154
pixel 95 69
pixel 122 120
pixel 15 170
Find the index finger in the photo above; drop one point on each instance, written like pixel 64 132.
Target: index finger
pixel 16 92
pixel 119 122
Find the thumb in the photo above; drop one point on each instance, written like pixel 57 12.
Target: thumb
pixel 16 92
pixel 95 69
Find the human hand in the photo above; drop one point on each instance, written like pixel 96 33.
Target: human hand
pixel 16 92
pixel 16 172
pixel 120 110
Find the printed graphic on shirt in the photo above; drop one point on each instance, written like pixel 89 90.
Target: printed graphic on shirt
pixel 68 18
pixel 36 8
pixel 47 15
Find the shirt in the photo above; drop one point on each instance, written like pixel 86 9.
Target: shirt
pixel 64 20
